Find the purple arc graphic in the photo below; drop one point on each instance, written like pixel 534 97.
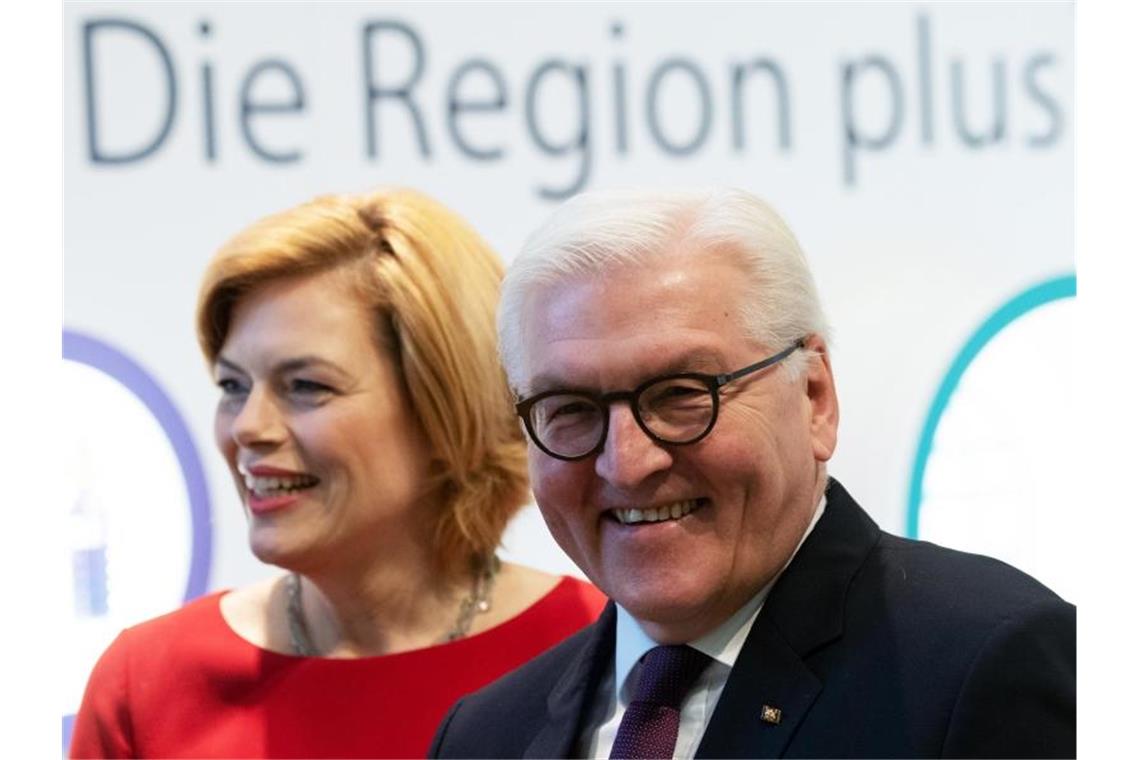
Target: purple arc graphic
pixel 95 353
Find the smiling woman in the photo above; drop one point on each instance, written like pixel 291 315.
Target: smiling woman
pixel 367 426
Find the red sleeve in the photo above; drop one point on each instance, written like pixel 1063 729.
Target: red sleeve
pixel 103 724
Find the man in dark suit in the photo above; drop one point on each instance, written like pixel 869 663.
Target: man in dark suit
pixel 670 357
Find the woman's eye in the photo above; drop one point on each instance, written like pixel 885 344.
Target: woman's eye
pixel 230 386
pixel 308 387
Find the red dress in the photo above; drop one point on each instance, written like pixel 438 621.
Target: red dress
pixel 186 685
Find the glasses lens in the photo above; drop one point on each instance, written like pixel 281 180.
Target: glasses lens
pixel 567 424
pixel 676 409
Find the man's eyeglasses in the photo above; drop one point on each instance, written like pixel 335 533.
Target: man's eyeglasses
pixel 673 409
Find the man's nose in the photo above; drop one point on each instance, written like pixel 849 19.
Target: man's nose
pixel 629 455
pixel 258 422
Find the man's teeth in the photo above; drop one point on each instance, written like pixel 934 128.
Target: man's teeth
pixel 674 511
pixel 263 486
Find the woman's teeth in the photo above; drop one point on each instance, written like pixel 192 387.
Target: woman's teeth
pixel 263 486
pixel 674 511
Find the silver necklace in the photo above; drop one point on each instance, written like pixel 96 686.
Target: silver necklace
pixel 298 628
pixel 476 602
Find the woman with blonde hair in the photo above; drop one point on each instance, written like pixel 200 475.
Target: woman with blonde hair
pixel 370 435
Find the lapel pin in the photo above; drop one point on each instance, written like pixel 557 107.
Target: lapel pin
pixel 770 714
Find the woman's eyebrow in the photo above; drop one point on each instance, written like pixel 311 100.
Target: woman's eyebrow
pixel 305 362
pixel 224 363
pixel 291 364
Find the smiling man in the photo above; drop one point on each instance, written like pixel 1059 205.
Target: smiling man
pixel 670 359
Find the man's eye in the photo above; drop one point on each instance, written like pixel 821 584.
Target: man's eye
pixel 572 408
pixel 681 391
pixel 675 394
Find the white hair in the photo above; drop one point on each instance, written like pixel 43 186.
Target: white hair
pixel 607 229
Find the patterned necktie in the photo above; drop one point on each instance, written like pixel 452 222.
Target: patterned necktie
pixel 649 727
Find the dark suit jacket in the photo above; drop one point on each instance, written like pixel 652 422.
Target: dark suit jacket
pixel 871 646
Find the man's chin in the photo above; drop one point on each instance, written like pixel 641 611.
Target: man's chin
pixel 669 618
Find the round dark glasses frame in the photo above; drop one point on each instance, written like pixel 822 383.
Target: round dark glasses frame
pixel 603 400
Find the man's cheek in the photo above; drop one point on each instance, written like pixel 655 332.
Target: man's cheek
pixel 554 479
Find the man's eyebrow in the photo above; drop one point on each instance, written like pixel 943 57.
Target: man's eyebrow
pixel 542 383
pixel 708 362
pixel 704 362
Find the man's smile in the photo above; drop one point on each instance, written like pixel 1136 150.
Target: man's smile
pixel 674 510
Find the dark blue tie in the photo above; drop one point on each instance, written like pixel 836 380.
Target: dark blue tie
pixel 649 727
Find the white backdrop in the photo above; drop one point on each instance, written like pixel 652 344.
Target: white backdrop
pixel 922 153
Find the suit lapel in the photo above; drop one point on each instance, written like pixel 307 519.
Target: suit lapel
pixel 768 673
pixel 573 695
pixel 803 612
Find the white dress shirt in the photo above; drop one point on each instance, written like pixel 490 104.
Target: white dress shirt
pixel 722 645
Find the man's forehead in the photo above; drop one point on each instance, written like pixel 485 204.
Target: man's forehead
pixel 607 303
pixel 678 313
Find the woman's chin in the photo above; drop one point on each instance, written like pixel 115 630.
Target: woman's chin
pixel 272 548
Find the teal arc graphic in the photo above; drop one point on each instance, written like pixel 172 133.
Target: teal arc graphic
pixel 1054 289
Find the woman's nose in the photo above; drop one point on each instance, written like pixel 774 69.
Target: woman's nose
pixel 259 421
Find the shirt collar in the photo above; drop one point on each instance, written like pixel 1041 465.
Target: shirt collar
pixel 722 644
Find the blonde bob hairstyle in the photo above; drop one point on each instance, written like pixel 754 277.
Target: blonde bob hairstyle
pixel 433 285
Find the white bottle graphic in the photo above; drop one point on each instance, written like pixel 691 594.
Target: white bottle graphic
pixel 87 528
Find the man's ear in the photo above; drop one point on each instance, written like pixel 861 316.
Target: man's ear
pixel 822 399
